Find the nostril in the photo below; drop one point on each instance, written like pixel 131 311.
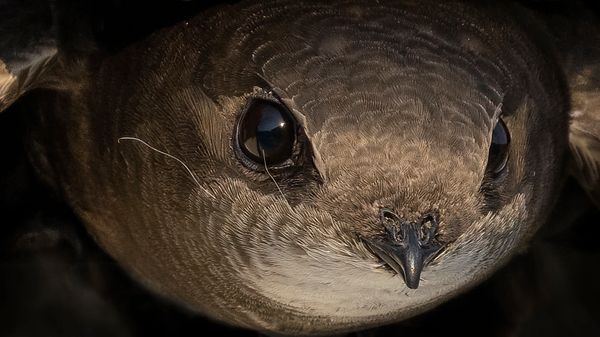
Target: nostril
pixel 424 228
pixel 390 222
pixel 428 225
pixel 424 235
pixel 386 215
pixel 430 216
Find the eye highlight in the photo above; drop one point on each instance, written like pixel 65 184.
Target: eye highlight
pixel 266 133
pixel 499 148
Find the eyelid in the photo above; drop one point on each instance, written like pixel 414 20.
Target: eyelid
pixel 266 94
pixel 258 95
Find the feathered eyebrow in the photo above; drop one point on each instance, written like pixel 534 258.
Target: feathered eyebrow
pixel 497 112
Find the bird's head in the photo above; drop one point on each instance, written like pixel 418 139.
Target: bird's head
pixel 312 168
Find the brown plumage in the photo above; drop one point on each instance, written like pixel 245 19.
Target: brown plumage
pixel 395 105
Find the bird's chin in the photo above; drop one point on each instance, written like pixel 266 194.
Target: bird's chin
pixel 347 298
pixel 324 286
pixel 350 292
pixel 343 293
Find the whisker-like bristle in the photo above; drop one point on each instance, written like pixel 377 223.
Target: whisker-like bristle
pixel 172 157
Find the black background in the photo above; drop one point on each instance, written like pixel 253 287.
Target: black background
pixel 54 281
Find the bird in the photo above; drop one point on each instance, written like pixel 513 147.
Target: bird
pixel 319 167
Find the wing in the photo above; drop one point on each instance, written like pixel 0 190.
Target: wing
pixel 582 69
pixel 584 131
pixel 576 33
pixel 28 47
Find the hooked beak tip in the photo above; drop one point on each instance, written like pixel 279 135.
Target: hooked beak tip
pixel 407 262
pixel 405 265
pixel 412 275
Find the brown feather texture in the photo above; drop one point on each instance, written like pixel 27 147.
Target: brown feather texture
pixel 576 33
pixel 395 103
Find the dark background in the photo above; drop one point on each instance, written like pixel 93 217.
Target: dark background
pixel 54 281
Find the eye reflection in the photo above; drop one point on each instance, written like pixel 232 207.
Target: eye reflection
pixel 267 133
pixel 498 155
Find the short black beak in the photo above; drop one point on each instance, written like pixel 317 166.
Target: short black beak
pixel 407 246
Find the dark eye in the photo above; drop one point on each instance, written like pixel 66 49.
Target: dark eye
pixel 498 157
pixel 266 133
